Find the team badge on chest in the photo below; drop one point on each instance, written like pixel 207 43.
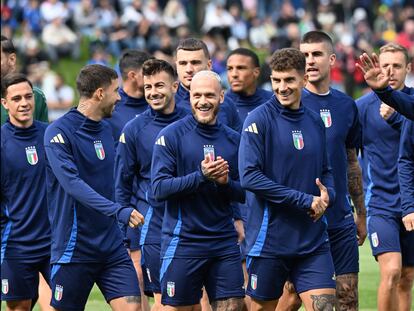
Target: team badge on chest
pixel 5 286
pixel 326 117
pixel 31 155
pixel 100 152
pixel 298 140
pixel 209 151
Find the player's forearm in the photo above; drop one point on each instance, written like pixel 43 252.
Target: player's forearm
pixel 355 186
pixel 400 101
pixel 167 186
pixel 234 191
pixel 406 168
pixel 256 182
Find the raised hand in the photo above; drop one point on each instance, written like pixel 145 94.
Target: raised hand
pixel 373 75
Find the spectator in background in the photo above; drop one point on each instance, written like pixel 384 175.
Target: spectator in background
pixel 174 15
pixel 58 94
pixel 33 17
pixel 85 18
pixel 52 9
pixel 60 40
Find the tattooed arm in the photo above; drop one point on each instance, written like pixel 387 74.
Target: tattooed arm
pixel 356 191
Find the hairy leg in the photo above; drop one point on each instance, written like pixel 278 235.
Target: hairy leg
pixel 127 303
pixel 405 287
pixel 136 260
pixel 230 304
pixel 262 305
pixel 290 300
pixel 390 273
pixel 347 292
pixel 20 305
pixel 322 299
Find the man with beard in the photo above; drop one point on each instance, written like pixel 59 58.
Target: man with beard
pixel 133 160
pixel 86 240
pixel 194 168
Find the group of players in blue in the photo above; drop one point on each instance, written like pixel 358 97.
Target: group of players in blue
pixel 182 189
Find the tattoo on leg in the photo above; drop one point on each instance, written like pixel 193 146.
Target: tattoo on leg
pixel 323 302
pixel 347 292
pixel 231 304
pixel 133 299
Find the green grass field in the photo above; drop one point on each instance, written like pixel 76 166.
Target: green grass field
pixel 368 283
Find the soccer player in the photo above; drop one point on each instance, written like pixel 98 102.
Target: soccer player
pixel 132 101
pixel 25 229
pixel 194 168
pixel 131 104
pixel 8 65
pixel 381 81
pixel 343 133
pixel 243 70
pixel 86 241
pixel 193 56
pixel 133 160
pixel 283 164
pixel 391 244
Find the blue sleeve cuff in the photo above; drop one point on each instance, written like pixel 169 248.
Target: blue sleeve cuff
pixel 124 215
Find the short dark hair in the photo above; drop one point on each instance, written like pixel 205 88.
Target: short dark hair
pixel 92 77
pixel 12 79
pixel 132 60
pixel 7 45
pixel 287 59
pixel 154 66
pixel 193 44
pixel 248 53
pixel 317 36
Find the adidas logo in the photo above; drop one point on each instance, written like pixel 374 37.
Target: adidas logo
pixel 58 139
pixel 122 138
pixel 252 128
pixel 160 141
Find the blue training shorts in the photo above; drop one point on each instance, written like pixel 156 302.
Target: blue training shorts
pixel 71 283
pixel 184 278
pixel 150 263
pixel 344 249
pixel 20 278
pixel 387 234
pixel 267 276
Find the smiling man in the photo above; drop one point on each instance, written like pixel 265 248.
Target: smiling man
pixel 133 160
pixel 193 56
pixel 343 135
pixel 283 164
pixel 25 229
pixel 86 240
pixel 194 168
